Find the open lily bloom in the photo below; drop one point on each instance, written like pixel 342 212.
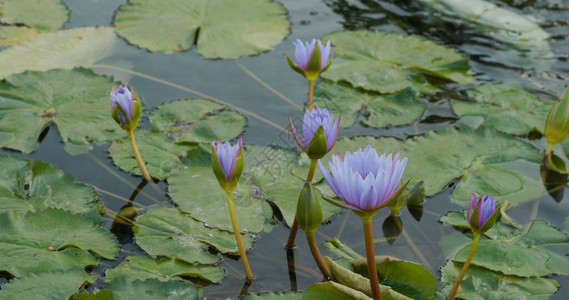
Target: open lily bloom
pixel 319 132
pixel 364 180
pixel 482 213
pixel 227 163
pixel 312 58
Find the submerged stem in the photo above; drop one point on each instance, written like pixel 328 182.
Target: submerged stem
pixel 294 227
pixel 370 254
pixel 317 257
pixel 464 268
pixel 139 160
pixel 238 237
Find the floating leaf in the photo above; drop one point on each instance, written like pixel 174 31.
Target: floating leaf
pixel 66 49
pixel 332 291
pixel 508 108
pixel 220 28
pixel 14 34
pixel 197 121
pixel 336 246
pixel 32 185
pixel 288 295
pixel 160 155
pixel 76 101
pixel 379 111
pixel 388 63
pixel 45 15
pixel 153 289
pixel 162 268
pixel 46 285
pixel 196 190
pixel 56 240
pixel 169 232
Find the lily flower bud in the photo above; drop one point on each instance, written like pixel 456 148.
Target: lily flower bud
pixel 482 213
pixel 308 210
pixel 557 124
pixel 319 132
pixel 125 107
pixel 311 60
pixel 227 163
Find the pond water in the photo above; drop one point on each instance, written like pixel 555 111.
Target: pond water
pixel 491 61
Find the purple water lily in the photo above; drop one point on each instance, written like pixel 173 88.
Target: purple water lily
pixel 303 53
pixel 312 121
pixel 364 180
pixel 123 97
pixel 480 212
pixel 227 163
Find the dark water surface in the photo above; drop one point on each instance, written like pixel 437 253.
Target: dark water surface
pixel 224 79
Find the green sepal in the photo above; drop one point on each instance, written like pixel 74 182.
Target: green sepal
pixel 136 108
pixel 417 194
pixel 491 220
pixel 474 217
pixel 557 124
pixel 318 147
pixel 294 66
pixel 237 170
pixel 115 114
pixel 313 65
pixel 308 210
pixel 398 203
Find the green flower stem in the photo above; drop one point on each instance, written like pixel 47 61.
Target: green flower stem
pixel 310 94
pixel 464 268
pixel 238 236
pixel 370 254
pixel 294 227
pixel 549 148
pixel 139 160
pixel 317 257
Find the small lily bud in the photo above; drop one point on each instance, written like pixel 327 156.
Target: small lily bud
pixel 319 132
pixel 482 213
pixel 308 210
pixel 227 163
pixel 311 60
pixel 557 124
pixel 125 107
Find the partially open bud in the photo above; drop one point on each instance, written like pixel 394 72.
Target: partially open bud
pixel 125 107
pixel 308 210
pixel 319 132
pixel 482 213
pixel 227 164
pixel 557 124
pixel 311 58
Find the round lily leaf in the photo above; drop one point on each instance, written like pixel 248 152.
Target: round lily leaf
pixel 196 190
pixel 169 232
pixel 32 185
pixel 508 108
pixel 45 15
pixel 248 26
pixel 158 152
pixel 77 101
pixel 66 49
pixel 379 111
pixel 197 121
pixel 153 289
pixel 46 285
pixel 162 268
pixel 388 63
pixel 51 240
pixel 10 35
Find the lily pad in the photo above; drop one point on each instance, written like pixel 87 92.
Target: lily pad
pixel 32 185
pixel 379 111
pixel 158 152
pixel 76 101
pixel 163 269
pixel 388 63
pixel 45 15
pixel 66 49
pixel 219 28
pixel 10 35
pixel 332 291
pixel 196 190
pixel 508 108
pixel 197 121
pixel 288 295
pixel 42 285
pixel 51 240
pixel 153 289
pixel 169 232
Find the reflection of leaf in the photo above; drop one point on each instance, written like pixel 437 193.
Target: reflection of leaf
pixel 220 28
pixel 153 289
pixel 44 15
pixel 76 101
pixel 388 63
pixel 162 268
pixel 46 285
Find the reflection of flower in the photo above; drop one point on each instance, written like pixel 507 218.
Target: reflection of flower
pixel 481 213
pixel 311 60
pixel 227 163
pixel 125 107
pixel 319 132
pixel 364 180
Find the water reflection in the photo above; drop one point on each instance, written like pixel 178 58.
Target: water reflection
pixel 554 182
pixel 122 224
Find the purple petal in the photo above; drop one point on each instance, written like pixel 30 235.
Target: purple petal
pixel 324 54
pixel 297 137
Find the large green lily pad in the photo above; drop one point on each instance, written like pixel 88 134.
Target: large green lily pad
pixel 379 111
pixel 219 28
pixel 169 232
pixel 51 240
pixel 10 35
pixel 388 63
pixel 162 268
pixel 158 152
pixel 196 190
pixel 45 15
pixel 508 108
pixel 77 101
pixel 197 121
pixel 32 185
pixel 66 49
pixel 46 285
pixel 153 289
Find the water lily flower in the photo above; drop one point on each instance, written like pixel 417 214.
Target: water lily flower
pixel 227 163
pixel 482 213
pixel 319 132
pixel 364 180
pixel 125 107
pixel 311 60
